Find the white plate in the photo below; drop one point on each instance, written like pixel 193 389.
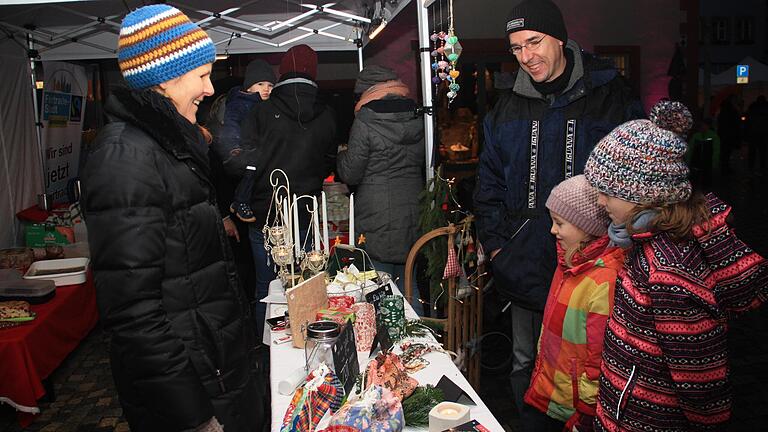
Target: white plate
pixel 61 278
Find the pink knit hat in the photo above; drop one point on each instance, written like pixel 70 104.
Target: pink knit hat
pixel 576 201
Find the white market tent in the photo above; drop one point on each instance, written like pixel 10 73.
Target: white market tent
pixel 758 72
pixel 61 30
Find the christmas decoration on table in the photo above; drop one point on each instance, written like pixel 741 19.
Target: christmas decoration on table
pixel 282 233
pixel 321 392
pixel 445 54
pixel 337 315
pixel 342 301
pixel 365 325
pixel 417 406
pixel 387 370
pixel 413 354
pixel 392 315
pixel 377 410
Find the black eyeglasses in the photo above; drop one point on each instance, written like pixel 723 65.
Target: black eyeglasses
pixel 531 46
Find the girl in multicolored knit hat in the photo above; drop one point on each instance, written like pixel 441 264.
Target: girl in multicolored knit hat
pixel 665 356
pixel 181 341
pixel 564 381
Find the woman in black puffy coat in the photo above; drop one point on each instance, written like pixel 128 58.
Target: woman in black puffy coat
pixel 179 329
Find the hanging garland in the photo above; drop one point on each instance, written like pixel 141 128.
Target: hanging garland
pixel 446 52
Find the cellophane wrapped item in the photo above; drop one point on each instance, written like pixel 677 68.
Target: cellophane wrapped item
pixel 386 370
pixel 365 325
pixel 392 310
pixel 321 392
pixel 342 301
pixel 377 410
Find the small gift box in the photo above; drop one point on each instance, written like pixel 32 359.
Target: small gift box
pixel 365 325
pixel 337 315
pixel 378 410
pixel 343 301
pixel 392 312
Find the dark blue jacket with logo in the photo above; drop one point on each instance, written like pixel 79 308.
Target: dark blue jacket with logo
pixel 532 143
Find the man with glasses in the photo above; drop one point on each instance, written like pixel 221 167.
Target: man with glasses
pixel 556 107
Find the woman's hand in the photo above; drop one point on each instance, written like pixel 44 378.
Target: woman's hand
pixel 230 228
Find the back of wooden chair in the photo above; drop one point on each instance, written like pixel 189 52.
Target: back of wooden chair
pixel 463 323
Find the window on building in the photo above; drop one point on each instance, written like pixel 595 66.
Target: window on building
pixel 720 30
pixel 626 59
pixel 745 30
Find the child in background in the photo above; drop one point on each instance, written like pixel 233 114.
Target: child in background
pixel 257 86
pixel 665 354
pixel 564 380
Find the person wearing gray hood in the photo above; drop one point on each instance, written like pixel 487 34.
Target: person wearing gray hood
pixel 385 160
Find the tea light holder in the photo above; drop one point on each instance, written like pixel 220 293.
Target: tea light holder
pixel 446 415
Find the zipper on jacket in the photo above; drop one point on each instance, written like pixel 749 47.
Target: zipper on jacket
pixel 623 392
pixel 220 379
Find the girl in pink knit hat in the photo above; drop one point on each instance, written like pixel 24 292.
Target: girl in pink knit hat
pixel 564 381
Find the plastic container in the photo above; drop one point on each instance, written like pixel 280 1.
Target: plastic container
pixel 32 291
pixel 68 271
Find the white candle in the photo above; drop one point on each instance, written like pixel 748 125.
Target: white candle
pixel 287 221
pixel 325 223
pixel 315 224
pixel 296 234
pixel 351 219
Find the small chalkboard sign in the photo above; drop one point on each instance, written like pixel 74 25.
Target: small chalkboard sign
pixel 345 357
pixel 374 297
pixel 382 336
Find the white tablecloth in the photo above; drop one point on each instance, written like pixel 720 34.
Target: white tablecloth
pixel 285 359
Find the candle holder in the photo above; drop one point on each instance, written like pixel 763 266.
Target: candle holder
pixel 314 261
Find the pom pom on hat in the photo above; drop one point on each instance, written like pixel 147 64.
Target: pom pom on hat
pixel 672 116
pixel 158 43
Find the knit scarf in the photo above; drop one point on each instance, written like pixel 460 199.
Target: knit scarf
pixel 378 91
pixel 619 234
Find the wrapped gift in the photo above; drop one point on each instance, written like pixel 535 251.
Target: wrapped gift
pixel 386 370
pixel 365 325
pixel 343 301
pixel 337 315
pixel 321 392
pixel 378 410
pixel 392 310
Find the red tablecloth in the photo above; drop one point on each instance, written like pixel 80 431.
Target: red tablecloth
pixel 31 352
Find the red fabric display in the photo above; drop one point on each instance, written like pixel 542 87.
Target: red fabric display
pixel 452 268
pixel 341 301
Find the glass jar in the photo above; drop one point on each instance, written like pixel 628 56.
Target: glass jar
pixel 318 344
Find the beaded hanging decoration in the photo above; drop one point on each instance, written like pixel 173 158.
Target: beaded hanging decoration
pixel 446 52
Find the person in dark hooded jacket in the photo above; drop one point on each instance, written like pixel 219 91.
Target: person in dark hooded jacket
pixel 293 131
pixel 385 159
pixel 178 326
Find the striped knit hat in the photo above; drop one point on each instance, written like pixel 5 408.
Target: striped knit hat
pixel 158 43
pixel 641 162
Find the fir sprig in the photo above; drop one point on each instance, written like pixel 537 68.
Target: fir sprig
pixel 417 406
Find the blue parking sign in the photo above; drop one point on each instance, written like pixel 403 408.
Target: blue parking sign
pixel 742 71
pixel 742 74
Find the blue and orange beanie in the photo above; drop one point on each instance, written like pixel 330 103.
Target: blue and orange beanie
pixel 158 43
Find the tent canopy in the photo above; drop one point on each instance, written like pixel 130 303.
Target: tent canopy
pixel 79 30
pixel 758 72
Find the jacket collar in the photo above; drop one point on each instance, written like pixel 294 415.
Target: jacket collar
pixel 156 116
pixel 597 254
pixel 588 72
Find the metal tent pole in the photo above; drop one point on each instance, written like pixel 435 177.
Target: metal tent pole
pixel 426 84
pixel 38 124
pixel 359 42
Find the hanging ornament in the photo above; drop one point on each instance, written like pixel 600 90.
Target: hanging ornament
pixel 452 51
